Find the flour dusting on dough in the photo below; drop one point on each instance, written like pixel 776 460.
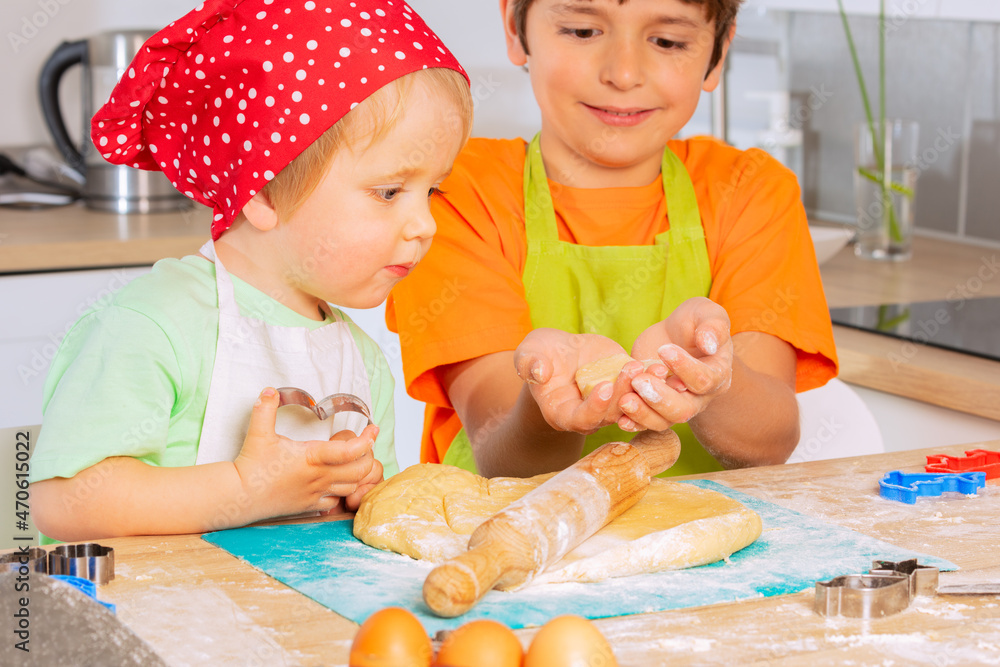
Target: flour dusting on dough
pixel 428 512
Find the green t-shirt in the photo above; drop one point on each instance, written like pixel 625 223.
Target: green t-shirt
pixel 131 377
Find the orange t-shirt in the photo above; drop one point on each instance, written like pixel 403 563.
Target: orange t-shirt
pixel 466 298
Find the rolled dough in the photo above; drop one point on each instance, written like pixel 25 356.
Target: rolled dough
pixel 429 510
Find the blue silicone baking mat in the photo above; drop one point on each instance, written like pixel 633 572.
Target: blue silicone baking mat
pixel 325 562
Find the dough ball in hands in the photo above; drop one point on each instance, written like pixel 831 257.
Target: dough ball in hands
pixel 588 377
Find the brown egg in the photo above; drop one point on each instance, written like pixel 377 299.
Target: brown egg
pixel 482 643
pixel 391 637
pixel 569 641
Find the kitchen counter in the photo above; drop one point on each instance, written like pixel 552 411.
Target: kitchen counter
pixel 196 604
pixel 939 270
pixel 76 238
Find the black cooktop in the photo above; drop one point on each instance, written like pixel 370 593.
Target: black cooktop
pixel 971 326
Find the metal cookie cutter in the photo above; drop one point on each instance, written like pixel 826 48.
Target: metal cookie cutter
pixel 863 595
pixel 905 487
pixel 90 561
pixel 923 578
pixel 327 407
pixel 975 460
pixel 34 559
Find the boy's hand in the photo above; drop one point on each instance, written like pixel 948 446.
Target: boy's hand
pixel 281 477
pixel 694 344
pixel 548 359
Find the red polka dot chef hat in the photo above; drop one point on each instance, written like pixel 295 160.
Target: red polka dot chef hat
pixel 224 98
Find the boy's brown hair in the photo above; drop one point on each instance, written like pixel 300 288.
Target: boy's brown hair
pixel 723 12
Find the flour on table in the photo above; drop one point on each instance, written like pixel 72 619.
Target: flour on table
pixel 428 512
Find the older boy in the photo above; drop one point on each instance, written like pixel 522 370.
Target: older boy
pixel 605 235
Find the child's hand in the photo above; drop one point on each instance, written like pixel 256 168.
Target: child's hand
pixel 281 477
pixel 548 359
pixel 353 501
pixel 694 344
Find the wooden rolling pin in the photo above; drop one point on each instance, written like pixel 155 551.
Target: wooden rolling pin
pixel 509 549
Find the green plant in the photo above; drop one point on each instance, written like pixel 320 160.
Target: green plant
pixel 882 176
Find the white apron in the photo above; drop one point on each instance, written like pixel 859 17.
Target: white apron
pixel 252 355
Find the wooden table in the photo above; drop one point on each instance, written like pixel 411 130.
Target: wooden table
pixel 196 604
pixel 939 270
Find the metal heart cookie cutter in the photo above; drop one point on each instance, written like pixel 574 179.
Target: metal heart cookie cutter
pixel 923 578
pixel 887 588
pixel 327 407
pixel 863 595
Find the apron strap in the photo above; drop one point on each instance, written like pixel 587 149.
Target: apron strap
pixel 223 284
pixel 687 261
pixel 539 212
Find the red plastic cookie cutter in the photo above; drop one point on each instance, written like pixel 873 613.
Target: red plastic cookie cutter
pixel 975 460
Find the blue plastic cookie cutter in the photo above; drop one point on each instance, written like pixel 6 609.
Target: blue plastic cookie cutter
pixel 906 487
pixel 86 587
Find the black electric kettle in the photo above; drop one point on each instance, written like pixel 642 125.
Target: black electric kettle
pixel 107 187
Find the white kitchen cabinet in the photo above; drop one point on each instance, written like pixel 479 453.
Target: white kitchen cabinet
pixel 909 424
pixel 38 311
pixel 39 308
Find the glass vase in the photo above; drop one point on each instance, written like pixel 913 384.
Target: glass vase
pixel 884 199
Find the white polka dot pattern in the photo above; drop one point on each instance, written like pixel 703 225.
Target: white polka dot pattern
pixel 206 98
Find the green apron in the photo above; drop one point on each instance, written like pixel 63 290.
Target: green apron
pixel 616 291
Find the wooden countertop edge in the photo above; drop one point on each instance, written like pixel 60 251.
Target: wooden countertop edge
pixel 932 375
pixel 87 255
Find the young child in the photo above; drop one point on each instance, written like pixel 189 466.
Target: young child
pixel 317 132
pixel 605 235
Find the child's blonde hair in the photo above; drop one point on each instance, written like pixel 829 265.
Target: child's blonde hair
pixel 723 12
pixel 380 111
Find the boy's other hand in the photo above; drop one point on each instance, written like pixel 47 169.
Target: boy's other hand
pixel 693 343
pixel 281 476
pixel 548 359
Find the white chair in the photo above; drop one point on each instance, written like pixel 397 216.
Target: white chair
pixel 835 423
